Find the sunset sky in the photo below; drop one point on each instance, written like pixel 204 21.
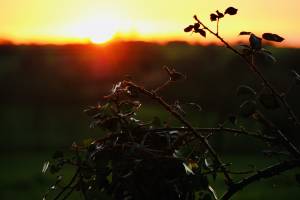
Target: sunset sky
pixel 64 21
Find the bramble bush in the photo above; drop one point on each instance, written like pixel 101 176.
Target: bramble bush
pixel 139 159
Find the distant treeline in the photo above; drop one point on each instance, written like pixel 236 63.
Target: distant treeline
pixel 73 76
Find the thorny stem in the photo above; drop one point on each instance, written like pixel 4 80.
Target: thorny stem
pixel 282 98
pixel 203 139
pixel 260 75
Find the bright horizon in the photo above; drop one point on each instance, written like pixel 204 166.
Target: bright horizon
pixel 97 21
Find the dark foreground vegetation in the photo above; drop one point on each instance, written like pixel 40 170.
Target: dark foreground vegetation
pixel 44 90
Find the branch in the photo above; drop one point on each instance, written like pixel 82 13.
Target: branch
pixel 222 129
pixel 260 75
pixel 292 148
pixel 180 118
pixel 67 186
pixel 262 174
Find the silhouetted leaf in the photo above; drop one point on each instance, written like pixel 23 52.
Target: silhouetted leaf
pixel 255 42
pixel 244 90
pixel 247 108
pixel 189 28
pixel 269 101
pixel 220 15
pixel 231 11
pixel 196 26
pixel 202 32
pixel 213 17
pixel 245 33
pixel 272 37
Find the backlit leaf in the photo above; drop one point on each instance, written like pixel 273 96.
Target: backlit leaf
pixel 189 28
pixel 202 32
pixel 231 11
pixel 220 15
pixel 272 37
pixel 245 33
pixel 213 17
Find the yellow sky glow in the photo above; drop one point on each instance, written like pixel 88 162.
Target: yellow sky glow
pixel 64 21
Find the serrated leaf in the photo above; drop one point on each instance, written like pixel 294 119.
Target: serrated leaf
pixel 247 108
pixel 244 90
pixel 269 101
pixel 272 37
pixel 255 42
pixel 231 11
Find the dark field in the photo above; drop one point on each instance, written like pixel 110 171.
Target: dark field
pixel 44 90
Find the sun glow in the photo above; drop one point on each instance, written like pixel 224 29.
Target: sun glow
pixel 101 37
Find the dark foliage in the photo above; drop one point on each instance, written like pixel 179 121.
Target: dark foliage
pixel 139 159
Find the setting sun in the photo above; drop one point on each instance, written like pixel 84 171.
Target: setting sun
pixel 99 21
pixel 101 37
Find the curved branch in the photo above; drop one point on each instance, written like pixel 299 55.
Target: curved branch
pixel 292 147
pixel 262 174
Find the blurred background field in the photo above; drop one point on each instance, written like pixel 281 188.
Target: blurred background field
pixel 45 88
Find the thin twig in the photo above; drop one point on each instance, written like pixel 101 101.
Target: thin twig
pixel 221 129
pixel 292 148
pixel 178 116
pixel 260 75
pixel 64 189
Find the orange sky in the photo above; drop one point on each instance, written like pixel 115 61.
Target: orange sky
pixel 63 21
